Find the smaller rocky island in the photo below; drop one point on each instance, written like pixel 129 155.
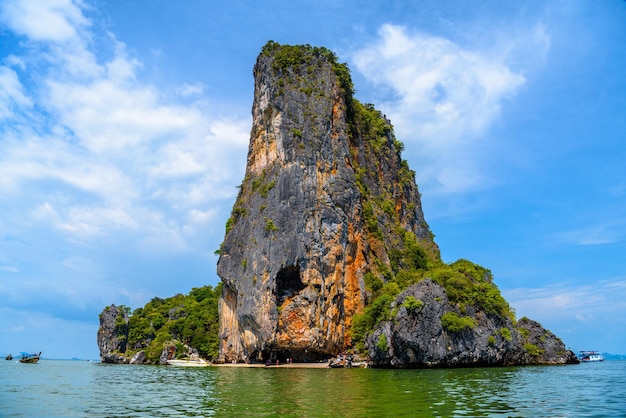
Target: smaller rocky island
pixel 327 251
pixel 176 327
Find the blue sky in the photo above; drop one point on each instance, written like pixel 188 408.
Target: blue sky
pixel 124 133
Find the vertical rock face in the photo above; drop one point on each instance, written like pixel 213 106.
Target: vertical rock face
pixel 113 334
pixel 302 235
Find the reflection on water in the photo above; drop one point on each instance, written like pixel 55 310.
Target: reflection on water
pixel 363 392
pixel 78 389
pixel 151 391
pixel 472 393
pixel 290 392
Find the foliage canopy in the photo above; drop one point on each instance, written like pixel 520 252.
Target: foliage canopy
pixel 183 320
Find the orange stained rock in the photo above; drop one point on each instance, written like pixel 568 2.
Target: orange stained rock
pixel 353 300
pixel 337 114
pixel 263 152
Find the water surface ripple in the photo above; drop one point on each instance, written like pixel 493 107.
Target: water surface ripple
pixel 60 388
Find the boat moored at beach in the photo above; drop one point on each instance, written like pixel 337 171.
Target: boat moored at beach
pixel 193 361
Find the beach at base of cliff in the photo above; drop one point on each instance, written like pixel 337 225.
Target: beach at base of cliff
pixel 323 365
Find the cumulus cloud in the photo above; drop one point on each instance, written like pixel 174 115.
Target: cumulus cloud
pixel 63 19
pixel 442 98
pixel 558 302
pixel 97 164
pixel 102 151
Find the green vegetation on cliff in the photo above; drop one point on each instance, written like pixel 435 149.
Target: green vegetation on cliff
pixel 411 258
pixel 295 57
pixel 455 323
pixel 184 321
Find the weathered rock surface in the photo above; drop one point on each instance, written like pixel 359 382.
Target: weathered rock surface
pixel 417 338
pixel 293 262
pixel 326 214
pixel 113 335
pixel 139 358
pixel 162 330
pixel 550 348
pixel 328 219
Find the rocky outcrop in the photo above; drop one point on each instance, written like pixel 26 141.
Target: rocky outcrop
pixel 542 346
pixel 113 337
pixel 175 326
pixel 415 336
pixel 139 358
pixel 297 245
pixel 327 221
pixel 113 334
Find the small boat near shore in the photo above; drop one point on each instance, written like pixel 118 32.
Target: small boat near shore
pixel 590 356
pixel 9 357
pixel 189 362
pixel 346 362
pixel 30 358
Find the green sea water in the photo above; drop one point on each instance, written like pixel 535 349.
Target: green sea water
pixel 59 388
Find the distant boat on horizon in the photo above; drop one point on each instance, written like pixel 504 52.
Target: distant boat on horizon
pixel 587 356
pixel 9 357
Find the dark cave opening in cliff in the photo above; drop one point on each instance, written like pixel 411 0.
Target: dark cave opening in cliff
pixel 288 283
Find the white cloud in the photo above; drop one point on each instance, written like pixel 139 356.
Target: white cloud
pixel 191 89
pixel 104 153
pixel 558 302
pixel 44 20
pixel 109 117
pixel 10 269
pixel 444 98
pixel 11 93
pixel 598 234
pixel 454 92
pixel 86 221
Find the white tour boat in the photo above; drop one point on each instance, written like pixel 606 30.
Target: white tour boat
pixel 193 361
pixel 587 356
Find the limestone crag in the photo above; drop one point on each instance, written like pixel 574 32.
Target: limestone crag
pixel 297 248
pixel 327 250
pixel 417 338
pixel 113 335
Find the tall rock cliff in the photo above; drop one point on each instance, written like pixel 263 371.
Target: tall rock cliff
pixel 324 201
pixel 328 229
pixel 113 334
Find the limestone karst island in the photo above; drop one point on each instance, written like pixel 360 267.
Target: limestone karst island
pixel 327 251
